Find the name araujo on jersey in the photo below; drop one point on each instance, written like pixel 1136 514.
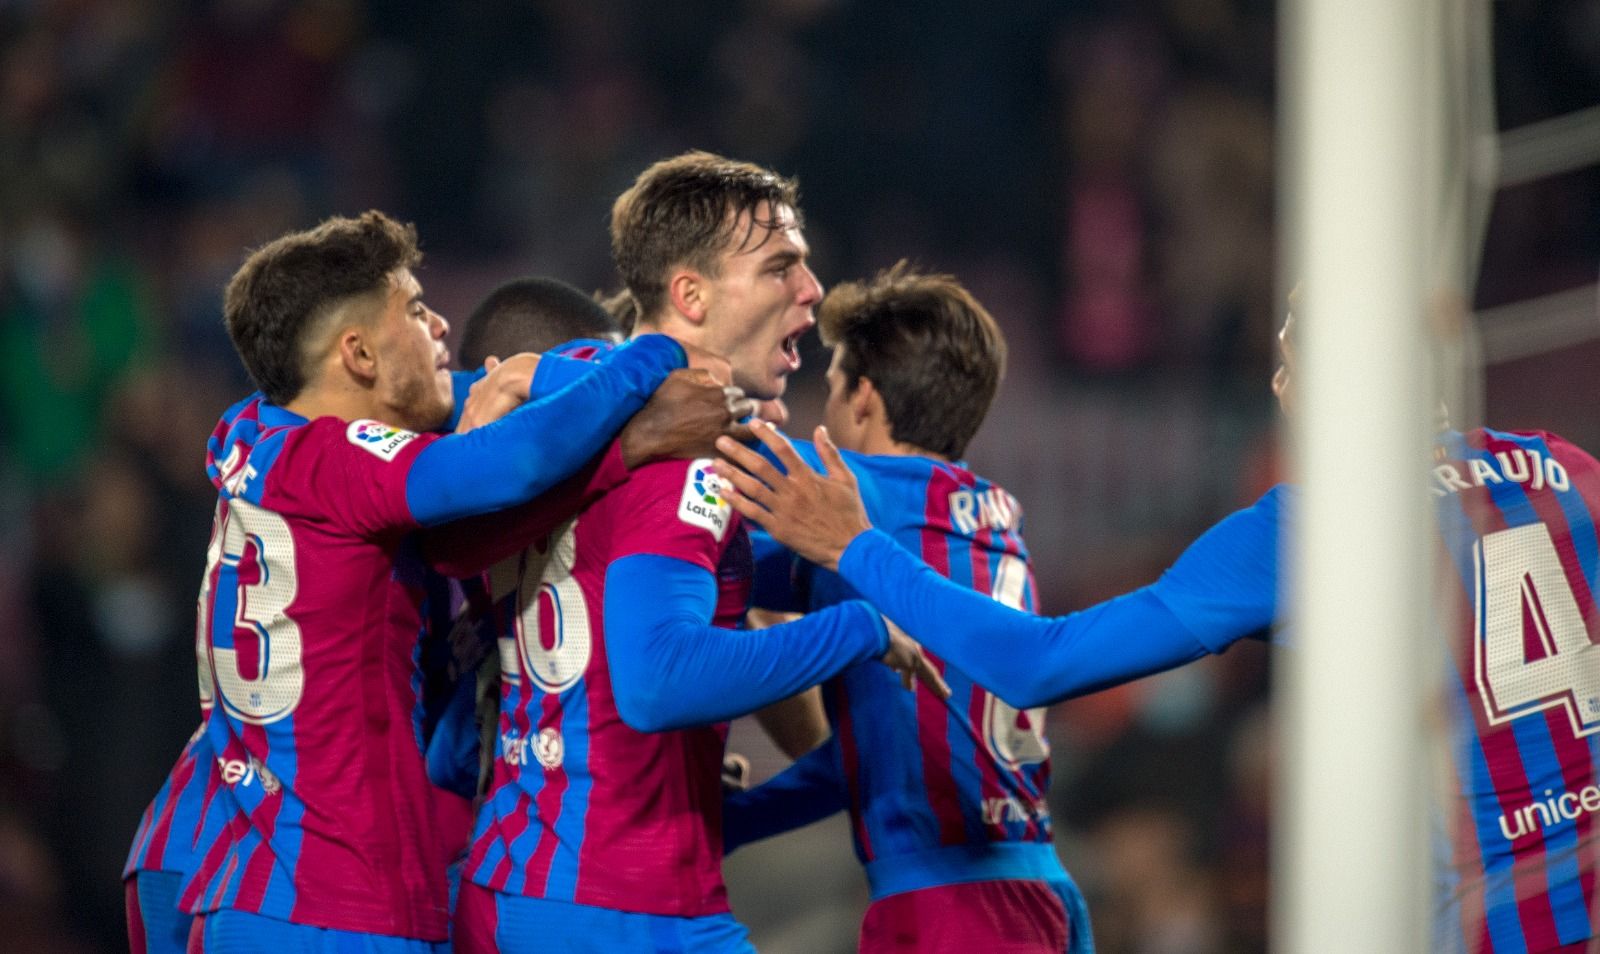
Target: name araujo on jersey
pixel 1518 465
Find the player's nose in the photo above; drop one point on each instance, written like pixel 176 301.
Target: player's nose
pixel 810 287
pixel 439 326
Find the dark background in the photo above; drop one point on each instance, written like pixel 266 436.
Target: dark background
pixel 1101 174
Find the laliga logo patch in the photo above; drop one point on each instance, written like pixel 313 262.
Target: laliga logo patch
pixel 702 504
pixel 378 439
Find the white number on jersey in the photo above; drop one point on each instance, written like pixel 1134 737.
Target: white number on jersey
pixel 1532 649
pixel 202 625
pixel 1013 737
pixel 557 659
pixel 260 604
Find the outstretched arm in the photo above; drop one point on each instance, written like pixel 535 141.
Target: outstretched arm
pixel 539 444
pixel 1224 587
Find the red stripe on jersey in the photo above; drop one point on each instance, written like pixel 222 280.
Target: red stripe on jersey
pixel 137 943
pixel 518 724
pixel 548 800
pixel 207 868
pixel 162 830
pixel 933 717
pixel 989 781
pixel 514 828
pixel 850 758
pixel 1467 854
pixel 233 862
pixel 1572 751
pixel 500 778
pixel 1504 760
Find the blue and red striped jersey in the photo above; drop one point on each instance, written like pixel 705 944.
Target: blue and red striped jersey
pixel 173 832
pixel 924 774
pixel 582 807
pixel 311 606
pixel 1517 518
pixel 179 825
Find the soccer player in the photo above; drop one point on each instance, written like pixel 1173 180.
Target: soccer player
pixel 533 314
pixel 602 829
pixel 1517 515
pixel 309 605
pixel 1221 589
pixel 946 799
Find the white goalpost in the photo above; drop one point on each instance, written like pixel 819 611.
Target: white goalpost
pixel 1360 149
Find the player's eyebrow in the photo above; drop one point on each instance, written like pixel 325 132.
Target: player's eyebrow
pixel 783 256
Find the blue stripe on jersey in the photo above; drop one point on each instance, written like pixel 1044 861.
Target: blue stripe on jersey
pixel 894 826
pixel 1566 896
pixel 964 755
pixel 1581 527
pixel 530 782
pixel 1536 749
pixel 148 825
pixel 283 751
pixel 963 750
pixel 1472 767
pixel 502 805
pixel 562 884
pixel 1500 894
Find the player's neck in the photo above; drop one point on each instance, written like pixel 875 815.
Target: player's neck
pixel 347 403
pixel 877 442
pixel 679 330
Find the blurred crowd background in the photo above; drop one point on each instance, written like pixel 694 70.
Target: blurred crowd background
pixel 1100 173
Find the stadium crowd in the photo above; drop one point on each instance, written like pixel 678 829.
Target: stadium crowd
pixel 1099 174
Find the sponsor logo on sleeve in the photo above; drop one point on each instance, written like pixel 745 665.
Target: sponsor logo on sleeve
pixel 379 439
pixel 703 504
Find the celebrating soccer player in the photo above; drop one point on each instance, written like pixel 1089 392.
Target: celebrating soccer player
pixel 309 607
pixel 602 829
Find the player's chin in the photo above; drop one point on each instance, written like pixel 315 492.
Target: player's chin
pixel 772 388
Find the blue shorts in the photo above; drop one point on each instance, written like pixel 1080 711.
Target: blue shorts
pixel 239 932
pixel 155 925
pixel 488 921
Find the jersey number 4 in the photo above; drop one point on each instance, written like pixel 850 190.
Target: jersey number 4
pixel 249 584
pixel 1532 648
pixel 1013 736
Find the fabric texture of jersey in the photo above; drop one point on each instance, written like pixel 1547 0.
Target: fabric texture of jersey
pixel 1014 916
pixel 174 832
pixel 488 922
pixel 1517 517
pixel 239 932
pixel 925 775
pixel 312 600
pixel 155 925
pixel 583 808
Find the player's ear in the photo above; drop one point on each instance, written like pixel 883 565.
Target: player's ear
pixel 866 402
pixel 689 293
pixel 357 354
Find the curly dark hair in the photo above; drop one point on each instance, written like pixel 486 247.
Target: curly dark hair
pixel 286 286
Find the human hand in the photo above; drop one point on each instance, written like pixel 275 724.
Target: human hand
pixel 905 657
pixel 499 392
pixel 774 412
pixel 815 515
pixel 683 418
